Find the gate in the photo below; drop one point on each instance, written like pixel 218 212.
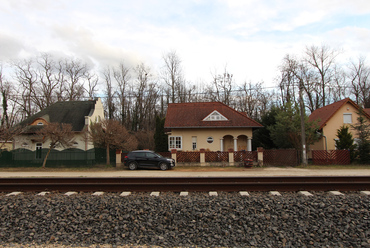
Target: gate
pixel 288 157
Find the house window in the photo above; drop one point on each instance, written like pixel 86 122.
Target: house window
pixel 347 118
pixel 38 150
pixel 194 142
pixel 210 140
pixel 175 142
pixel 40 124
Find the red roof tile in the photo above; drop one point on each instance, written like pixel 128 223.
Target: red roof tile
pixel 191 115
pixel 325 113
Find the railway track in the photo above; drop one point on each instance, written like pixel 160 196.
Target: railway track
pixel 192 184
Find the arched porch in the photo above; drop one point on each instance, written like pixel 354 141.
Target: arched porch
pixel 239 143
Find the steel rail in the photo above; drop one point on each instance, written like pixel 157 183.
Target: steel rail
pixel 177 184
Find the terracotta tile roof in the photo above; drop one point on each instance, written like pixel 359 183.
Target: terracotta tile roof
pixel 71 112
pixel 325 113
pixel 191 115
pixel 367 111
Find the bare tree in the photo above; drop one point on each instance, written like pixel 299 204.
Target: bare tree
pixel 300 75
pixel 110 134
pixel 222 86
pixel 172 76
pixel 145 139
pixel 7 131
pixel 359 76
pixel 26 77
pixel 122 76
pixel 322 60
pixel 92 80
pixel 9 102
pixel 49 79
pixel 4 89
pixel 340 89
pixel 286 81
pixel 252 99
pixel 142 78
pixel 75 73
pixel 58 134
pixel 110 93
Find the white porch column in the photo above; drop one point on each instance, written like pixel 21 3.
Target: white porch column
pixel 249 149
pixel 235 144
pixel 222 145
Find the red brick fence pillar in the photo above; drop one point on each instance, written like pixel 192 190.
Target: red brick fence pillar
pixel 118 158
pixel 174 154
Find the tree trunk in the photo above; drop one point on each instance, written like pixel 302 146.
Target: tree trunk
pixel 108 157
pixel 46 157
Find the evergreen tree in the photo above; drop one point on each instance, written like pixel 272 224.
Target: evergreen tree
pixel 345 141
pixel 160 137
pixel 286 133
pixel 262 136
pixel 362 129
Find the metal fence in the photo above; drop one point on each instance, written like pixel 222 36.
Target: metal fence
pixel 240 156
pixel 188 157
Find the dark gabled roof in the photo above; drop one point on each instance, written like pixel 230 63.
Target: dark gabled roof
pixel 325 113
pixel 72 112
pixel 191 115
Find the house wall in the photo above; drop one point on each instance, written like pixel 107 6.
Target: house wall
pixel 202 135
pixel 26 142
pixel 96 116
pixel 6 145
pixel 331 127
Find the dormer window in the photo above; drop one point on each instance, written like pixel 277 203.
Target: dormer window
pixel 215 116
pixel 40 123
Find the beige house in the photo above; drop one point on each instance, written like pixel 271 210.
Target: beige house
pixel 77 113
pixel 330 118
pixel 213 126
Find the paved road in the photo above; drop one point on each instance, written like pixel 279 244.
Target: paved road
pixel 172 173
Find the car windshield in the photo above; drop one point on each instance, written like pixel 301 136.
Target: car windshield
pixel 159 155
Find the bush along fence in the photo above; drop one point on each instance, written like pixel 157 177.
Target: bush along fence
pixel 65 158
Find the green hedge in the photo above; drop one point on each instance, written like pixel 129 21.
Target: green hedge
pixel 66 158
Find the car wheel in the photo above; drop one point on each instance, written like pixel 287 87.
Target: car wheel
pixel 163 166
pixel 132 166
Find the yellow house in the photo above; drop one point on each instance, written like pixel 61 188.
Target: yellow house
pixel 213 126
pixel 330 118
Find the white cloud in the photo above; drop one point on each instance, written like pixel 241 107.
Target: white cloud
pixel 250 36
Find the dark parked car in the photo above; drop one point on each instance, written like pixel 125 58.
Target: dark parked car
pixel 145 158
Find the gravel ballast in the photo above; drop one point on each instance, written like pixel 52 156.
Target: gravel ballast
pixel 196 220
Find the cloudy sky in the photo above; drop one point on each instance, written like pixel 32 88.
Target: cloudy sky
pixel 250 37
